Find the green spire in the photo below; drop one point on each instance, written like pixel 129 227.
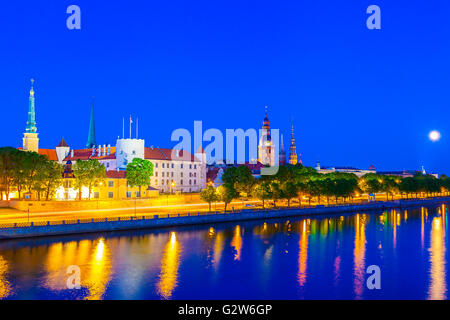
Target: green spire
pixel 31 123
pixel 91 137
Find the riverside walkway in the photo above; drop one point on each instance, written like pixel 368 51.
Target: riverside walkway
pixel 49 228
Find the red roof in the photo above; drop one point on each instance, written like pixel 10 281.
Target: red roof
pixel 149 154
pixel 169 154
pixel 49 153
pixel 85 154
pixel 116 174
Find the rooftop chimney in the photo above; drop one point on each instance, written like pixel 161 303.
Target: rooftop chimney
pixel 104 150
pixel 71 153
pixel 109 150
pixel 99 150
pixel 93 150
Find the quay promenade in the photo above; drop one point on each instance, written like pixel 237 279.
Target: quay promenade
pixel 50 228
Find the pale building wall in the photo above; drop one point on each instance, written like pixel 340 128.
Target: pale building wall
pixel 30 142
pixel 127 150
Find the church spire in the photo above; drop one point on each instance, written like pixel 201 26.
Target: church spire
pixel 91 142
pixel 31 123
pixel 293 149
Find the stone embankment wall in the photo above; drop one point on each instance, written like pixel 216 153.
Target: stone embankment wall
pixel 195 219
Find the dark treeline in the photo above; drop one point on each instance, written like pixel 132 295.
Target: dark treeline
pixel 299 182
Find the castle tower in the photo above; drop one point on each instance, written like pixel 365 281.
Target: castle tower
pixel 266 149
pixel 91 142
pixel 62 150
pixel 293 149
pixel 30 136
pixel 282 157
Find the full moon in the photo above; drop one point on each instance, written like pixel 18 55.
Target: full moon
pixel 434 135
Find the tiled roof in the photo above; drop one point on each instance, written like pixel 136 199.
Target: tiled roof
pixel 168 154
pixel 149 154
pixel 49 153
pixel 85 154
pixel 116 174
pixel 62 143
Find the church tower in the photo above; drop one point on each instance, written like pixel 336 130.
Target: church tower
pixel 91 142
pixel 293 149
pixel 266 149
pixel 282 157
pixel 30 136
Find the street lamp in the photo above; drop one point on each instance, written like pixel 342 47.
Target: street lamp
pixel 172 185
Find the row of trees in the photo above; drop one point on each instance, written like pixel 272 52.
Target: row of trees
pixel 298 181
pixel 30 172
pixel 27 172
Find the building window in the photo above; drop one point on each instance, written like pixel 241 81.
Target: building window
pixel 195 181
pixel 96 195
pixel 138 194
pixel 167 181
pixel 181 182
pixel 107 164
pixel 172 174
pixel 190 182
pixel 163 174
pixel 156 165
pixel 195 166
pixel 195 174
pixel 181 174
pixel 110 195
pixel 110 184
pixel 156 174
pixel 181 166
pixel 172 165
pixel 156 182
pixel 190 166
pixel 162 181
pixel 128 194
pixel 163 165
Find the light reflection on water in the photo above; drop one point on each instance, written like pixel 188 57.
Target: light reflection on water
pixel 299 258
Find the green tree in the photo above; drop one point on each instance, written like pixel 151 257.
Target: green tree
pixel 88 173
pixel 240 178
pixel 139 172
pixel 8 165
pixel 226 193
pixel 209 195
pixel 263 192
pixel 290 190
pixel 52 177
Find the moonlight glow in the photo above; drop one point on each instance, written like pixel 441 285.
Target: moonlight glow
pixel 434 135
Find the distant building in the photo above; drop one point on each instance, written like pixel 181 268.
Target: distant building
pixel 293 150
pixel 358 172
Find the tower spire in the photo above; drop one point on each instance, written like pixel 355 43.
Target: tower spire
pixel 293 149
pixel 91 142
pixel 30 138
pixel 31 123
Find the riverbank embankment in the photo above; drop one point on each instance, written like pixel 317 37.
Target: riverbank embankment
pixel 51 228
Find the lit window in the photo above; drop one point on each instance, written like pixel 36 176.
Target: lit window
pixel 110 184
pixel 128 194
pixel 110 195
pixel 195 166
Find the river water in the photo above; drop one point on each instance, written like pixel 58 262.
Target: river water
pixel 300 258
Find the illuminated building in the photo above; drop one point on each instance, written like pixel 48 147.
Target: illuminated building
pixel 173 170
pixel 293 150
pixel 266 148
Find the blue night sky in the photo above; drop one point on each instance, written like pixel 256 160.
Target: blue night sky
pixel 358 97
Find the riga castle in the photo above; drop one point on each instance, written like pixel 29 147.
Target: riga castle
pixel 173 170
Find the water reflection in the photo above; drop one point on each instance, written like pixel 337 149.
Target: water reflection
pixel 169 267
pixel 326 257
pixel 5 286
pixel 438 285
pixel 236 242
pixel 359 255
pixel 303 253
